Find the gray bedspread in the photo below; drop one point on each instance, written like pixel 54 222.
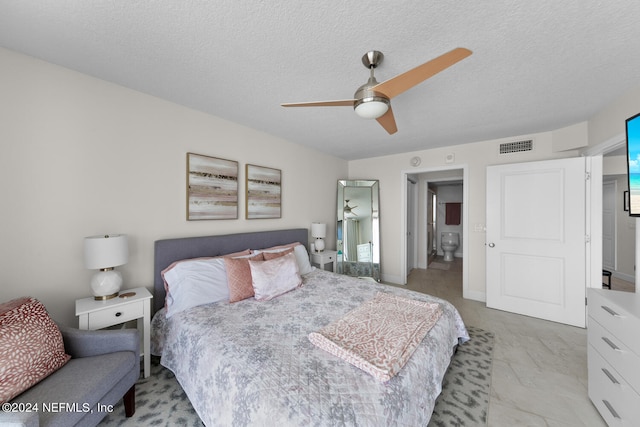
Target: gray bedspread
pixel 251 363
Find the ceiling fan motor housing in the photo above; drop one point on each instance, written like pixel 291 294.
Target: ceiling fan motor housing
pixel 370 104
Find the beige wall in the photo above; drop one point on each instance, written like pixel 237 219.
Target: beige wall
pixel 475 157
pixel 609 123
pixel 81 156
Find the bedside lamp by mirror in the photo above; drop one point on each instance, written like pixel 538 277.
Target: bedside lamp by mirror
pixel 104 253
pixel 319 232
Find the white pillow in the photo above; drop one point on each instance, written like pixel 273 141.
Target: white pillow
pixel 302 257
pixel 195 282
pixel 274 277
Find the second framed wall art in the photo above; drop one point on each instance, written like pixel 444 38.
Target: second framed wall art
pixel 263 192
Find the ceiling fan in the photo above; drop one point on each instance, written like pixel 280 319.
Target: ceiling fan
pixel 372 99
pixel 349 209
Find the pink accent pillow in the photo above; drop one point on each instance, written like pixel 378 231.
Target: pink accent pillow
pixel 273 255
pixel 278 248
pixel 302 257
pixel 275 277
pixel 239 277
pixel 31 346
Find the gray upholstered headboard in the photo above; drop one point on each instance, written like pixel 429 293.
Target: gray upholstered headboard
pixel 171 250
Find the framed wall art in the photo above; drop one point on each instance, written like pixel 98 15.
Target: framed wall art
pixel 212 188
pixel 263 192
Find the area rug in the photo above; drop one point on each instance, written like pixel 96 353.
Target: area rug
pixel 464 401
pixel 439 266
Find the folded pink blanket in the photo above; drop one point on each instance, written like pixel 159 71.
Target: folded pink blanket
pixel 380 335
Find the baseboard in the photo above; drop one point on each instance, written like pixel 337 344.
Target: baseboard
pixel 623 276
pixel 394 279
pixel 475 295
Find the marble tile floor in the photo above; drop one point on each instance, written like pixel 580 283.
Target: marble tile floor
pixel 539 374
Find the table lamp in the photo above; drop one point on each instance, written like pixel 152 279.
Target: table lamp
pixel 104 253
pixel 319 232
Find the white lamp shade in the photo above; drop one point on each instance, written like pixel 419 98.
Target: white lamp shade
pixel 318 230
pixel 105 251
pixel 372 109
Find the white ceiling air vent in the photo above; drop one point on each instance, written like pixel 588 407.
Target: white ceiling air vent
pixel 516 147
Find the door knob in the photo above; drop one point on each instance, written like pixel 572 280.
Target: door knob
pixel 491 245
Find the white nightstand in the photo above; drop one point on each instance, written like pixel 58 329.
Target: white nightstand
pixel 323 258
pixel 102 314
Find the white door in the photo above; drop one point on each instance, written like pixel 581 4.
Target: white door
pixel 536 250
pixel 609 225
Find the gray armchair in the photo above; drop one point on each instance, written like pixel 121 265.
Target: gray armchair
pixel 103 369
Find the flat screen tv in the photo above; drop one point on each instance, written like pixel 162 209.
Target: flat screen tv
pixel 633 164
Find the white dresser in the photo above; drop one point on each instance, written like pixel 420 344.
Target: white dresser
pixel 614 355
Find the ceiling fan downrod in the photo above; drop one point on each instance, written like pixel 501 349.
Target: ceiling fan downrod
pixel 370 104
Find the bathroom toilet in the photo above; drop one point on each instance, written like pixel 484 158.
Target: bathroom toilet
pixel 449 243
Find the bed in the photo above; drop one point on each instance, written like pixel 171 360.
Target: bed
pixel 252 363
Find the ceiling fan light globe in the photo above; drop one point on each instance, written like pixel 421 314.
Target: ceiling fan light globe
pixel 372 108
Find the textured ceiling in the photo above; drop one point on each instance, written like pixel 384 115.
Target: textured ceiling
pixel 536 65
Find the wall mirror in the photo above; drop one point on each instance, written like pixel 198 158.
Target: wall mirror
pixel 358 228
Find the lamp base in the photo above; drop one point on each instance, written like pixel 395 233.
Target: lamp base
pixel 106 284
pixel 319 244
pixel 105 297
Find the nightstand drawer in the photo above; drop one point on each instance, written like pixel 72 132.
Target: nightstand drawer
pixel 114 315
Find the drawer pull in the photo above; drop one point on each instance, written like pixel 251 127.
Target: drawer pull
pixel 610 408
pixel 611 344
pixel 610 376
pixel 610 311
pixel 118 314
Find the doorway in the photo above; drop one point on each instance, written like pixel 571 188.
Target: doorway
pixel 618 228
pixel 447 218
pixel 412 212
pixel 609 188
pixel 614 150
pixel 424 242
pixel 432 201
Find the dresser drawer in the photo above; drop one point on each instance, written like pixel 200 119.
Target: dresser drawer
pixel 616 401
pixel 114 315
pixel 615 352
pixel 615 319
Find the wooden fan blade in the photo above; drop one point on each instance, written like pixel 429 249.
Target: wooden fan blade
pixel 339 103
pixel 402 82
pixel 388 122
